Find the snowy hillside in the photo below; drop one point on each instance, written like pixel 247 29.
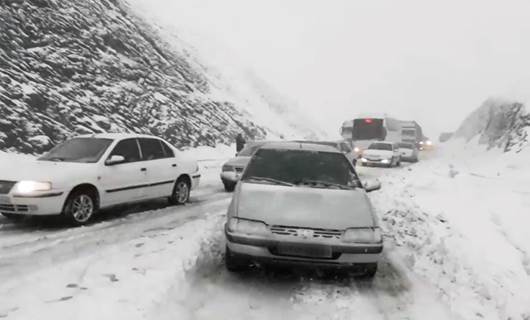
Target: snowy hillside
pixel 87 66
pixel 497 123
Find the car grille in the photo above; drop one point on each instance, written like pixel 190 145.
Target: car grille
pixel 6 186
pixel 10 208
pixel 239 169
pixel 316 233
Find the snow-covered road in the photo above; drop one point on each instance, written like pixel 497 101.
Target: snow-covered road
pixel 156 262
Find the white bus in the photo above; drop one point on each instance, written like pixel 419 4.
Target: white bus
pixel 363 131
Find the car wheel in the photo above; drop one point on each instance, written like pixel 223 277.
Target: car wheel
pixel 234 262
pixel 80 207
pixel 229 187
pixel 14 217
pixel 369 271
pixel 181 192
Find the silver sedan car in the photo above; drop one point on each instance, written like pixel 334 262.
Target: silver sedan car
pixel 302 204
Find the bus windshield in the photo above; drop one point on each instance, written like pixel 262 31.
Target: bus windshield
pixel 368 129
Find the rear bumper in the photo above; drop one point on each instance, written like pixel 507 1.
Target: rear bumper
pixel 230 177
pixel 263 251
pixel 42 205
pixel 195 180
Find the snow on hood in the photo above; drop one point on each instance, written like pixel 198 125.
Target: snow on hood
pixel 24 168
pixel 305 207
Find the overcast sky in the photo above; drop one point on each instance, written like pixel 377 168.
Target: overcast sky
pixel 432 61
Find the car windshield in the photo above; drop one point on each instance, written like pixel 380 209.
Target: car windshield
pixel 85 150
pixel 249 149
pixel 380 146
pixel 406 146
pixel 301 168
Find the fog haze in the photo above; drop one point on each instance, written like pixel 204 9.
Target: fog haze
pixel 433 61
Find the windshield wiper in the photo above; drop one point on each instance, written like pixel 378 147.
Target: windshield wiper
pixel 325 183
pixel 271 180
pixel 55 159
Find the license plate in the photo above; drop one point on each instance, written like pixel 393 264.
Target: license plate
pixel 307 251
pixel 5 200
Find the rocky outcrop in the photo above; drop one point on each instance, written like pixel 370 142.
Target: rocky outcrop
pixel 87 66
pixel 498 123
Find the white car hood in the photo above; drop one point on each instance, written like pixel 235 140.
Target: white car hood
pixel 33 169
pixel 304 207
pixel 379 154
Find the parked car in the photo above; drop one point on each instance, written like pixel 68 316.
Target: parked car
pixel 82 175
pixel 382 153
pixel 302 204
pixel 233 168
pixel 409 152
pixel 340 145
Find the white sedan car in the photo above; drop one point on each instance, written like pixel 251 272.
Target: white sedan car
pixel 382 153
pixel 84 174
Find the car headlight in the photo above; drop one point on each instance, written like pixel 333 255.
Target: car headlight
pixel 364 160
pixel 362 235
pixel 429 143
pixel 25 187
pixel 228 167
pixel 248 227
pixel 385 161
pixel 357 149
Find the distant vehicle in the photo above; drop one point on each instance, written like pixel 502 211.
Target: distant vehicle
pixel 276 215
pixel 445 136
pixel 233 168
pixel 82 175
pixel 365 130
pixel 426 144
pixel 409 152
pixel 411 132
pixel 342 146
pixel 384 153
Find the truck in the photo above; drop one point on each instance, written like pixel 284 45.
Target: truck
pixel 411 132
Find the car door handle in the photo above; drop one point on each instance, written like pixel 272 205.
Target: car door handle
pixel 143 169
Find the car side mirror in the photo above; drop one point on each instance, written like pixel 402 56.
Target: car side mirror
pixel 115 159
pixel 372 185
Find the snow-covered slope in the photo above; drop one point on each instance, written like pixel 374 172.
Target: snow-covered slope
pixel 81 66
pixel 497 123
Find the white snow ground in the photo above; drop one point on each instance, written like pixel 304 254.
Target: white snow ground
pixel 456 248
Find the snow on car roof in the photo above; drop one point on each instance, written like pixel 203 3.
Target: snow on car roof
pixel 300 146
pixel 116 136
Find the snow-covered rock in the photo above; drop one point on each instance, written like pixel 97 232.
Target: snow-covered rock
pixel 83 66
pixel 497 123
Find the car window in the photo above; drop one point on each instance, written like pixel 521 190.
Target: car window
pixel 249 149
pixel 406 146
pixel 296 166
pixel 167 150
pixel 84 150
pixel 151 149
pixel 128 149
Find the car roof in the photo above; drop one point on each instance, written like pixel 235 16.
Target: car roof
pixel 300 146
pixel 385 142
pixel 116 136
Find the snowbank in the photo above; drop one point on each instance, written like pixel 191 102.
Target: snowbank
pixel 459 221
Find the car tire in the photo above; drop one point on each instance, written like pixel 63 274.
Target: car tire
pixel 234 262
pixel 229 187
pixel 369 271
pixel 181 192
pixel 80 207
pixel 13 217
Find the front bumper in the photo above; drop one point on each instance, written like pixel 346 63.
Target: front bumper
pixel 379 163
pixel 264 251
pixel 45 204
